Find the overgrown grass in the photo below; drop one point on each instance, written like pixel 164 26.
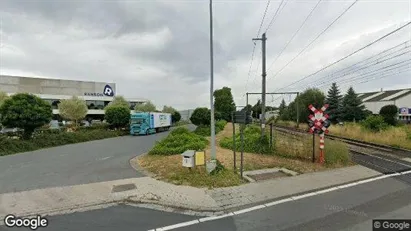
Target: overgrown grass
pixel 168 168
pixel 204 130
pixel 178 141
pixel 253 142
pixel 398 136
pixel 52 138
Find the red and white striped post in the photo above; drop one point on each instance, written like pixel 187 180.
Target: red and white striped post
pixel 322 148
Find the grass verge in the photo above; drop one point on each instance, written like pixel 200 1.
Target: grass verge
pixel 169 167
pixel 52 138
pixel 398 136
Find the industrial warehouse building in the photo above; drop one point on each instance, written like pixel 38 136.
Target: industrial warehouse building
pixel 96 94
pixel 374 101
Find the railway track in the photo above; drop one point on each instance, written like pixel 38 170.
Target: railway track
pixel 381 158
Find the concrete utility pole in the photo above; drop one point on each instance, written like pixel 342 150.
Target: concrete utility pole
pixel 264 74
pixel 213 148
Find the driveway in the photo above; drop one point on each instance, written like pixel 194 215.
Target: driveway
pixel 89 162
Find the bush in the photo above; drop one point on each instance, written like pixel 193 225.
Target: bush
pixel 389 113
pixel 178 141
pixel 253 142
pixel 374 123
pixel 204 130
pixel 201 116
pixel 176 117
pixel 51 138
pixel 117 116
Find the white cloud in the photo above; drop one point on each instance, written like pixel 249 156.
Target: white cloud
pixel 160 49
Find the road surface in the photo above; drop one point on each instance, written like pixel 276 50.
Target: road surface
pixel 346 209
pixel 82 163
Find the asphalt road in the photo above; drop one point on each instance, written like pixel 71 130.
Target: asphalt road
pixel 95 161
pixel 347 209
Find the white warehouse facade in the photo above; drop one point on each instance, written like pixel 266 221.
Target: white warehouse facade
pixel 374 101
pixel 96 94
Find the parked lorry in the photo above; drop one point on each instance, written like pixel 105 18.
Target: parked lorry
pixel 145 123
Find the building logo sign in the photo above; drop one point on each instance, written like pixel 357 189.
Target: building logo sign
pixel 405 111
pixel 107 91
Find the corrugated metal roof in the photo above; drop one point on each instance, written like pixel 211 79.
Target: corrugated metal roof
pixel 384 95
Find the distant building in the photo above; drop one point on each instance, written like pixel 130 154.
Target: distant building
pixel 96 94
pixel 186 114
pixel 374 101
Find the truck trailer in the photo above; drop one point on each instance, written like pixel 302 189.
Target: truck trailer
pixel 145 123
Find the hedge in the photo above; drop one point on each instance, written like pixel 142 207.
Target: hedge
pixel 178 141
pixel 52 138
pixel 205 130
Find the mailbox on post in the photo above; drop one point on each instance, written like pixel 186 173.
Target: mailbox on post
pixel 188 158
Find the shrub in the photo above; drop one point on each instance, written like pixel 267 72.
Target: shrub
pixel 220 124
pixel 51 138
pixel 25 111
pixel 253 142
pixel 117 116
pixel 389 113
pixel 176 117
pixel 178 141
pixel 204 130
pixel 201 116
pixel 374 123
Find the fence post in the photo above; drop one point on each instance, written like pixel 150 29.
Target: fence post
pixel 313 147
pixel 271 135
pixel 234 146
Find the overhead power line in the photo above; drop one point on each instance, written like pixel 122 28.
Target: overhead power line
pixel 349 55
pixel 298 30
pixel 252 55
pixel 378 62
pixel 318 36
pixel 275 15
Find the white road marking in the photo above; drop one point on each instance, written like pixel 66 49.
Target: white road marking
pixel 294 198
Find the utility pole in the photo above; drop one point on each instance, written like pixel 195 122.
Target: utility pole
pixel 264 74
pixel 213 147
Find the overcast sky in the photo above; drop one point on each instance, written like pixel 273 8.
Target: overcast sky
pixel 160 49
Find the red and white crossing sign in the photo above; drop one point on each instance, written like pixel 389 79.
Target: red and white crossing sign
pixel 318 118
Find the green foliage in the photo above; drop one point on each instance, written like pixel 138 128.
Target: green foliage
pixel 201 116
pixel 52 138
pixel 25 111
pixel 389 113
pixel 336 153
pixel 352 108
pixel 175 117
pixel 219 168
pixel 374 123
pixel 205 130
pixel 117 116
pixel 334 100
pixel 167 109
pixel 3 96
pixel 73 109
pixel 181 122
pixel 256 109
pixel 282 108
pixel 253 142
pixel 118 101
pixel 178 141
pixel 224 103
pixel 146 107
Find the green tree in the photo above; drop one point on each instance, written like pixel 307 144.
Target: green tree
pixel 312 96
pixel 168 109
pixel 119 101
pixel 176 116
pixel 201 116
pixel 334 99
pixel 73 109
pixel 145 107
pixel 352 108
pixel 117 116
pixel 25 111
pixel 389 113
pixel 257 109
pixel 282 108
pixel 224 103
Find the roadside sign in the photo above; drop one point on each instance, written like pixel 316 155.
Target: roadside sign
pixel 319 123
